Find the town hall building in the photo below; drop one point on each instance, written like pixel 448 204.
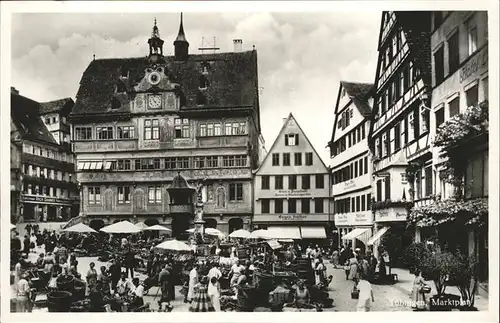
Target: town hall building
pixel 139 122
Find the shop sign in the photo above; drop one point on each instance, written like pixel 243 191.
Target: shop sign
pixel 43 199
pixel 292 193
pixel 292 217
pixel 350 184
pixel 362 218
pixel 479 61
pixel 341 219
pixel 390 215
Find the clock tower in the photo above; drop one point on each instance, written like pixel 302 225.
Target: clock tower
pixel 155 45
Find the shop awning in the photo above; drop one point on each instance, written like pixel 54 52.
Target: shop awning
pixel 361 234
pixel 313 232
pixel 377 235
pixel 283 233
pixel 274 244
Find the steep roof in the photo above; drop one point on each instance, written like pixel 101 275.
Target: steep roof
pixel 25 115
pixel 232 79
pixel 359 93
pixel 280 134
pixel 356 89
pixel 54 106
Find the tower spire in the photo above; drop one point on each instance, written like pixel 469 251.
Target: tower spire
pixel 181 36
pixel 181 44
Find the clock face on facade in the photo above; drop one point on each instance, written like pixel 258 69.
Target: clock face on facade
pixel 154 78
pixel 154 101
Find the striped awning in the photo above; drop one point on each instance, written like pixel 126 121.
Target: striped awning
pixel 313 232
pixel 362 234
pixel 377 235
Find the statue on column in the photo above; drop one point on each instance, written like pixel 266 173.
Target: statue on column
pixel 199 228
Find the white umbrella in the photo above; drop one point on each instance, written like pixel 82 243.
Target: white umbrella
pixel 258 234
pixel 122 227
pixel 12 227
pixel 214 232
pixel 239 234
pixel 174 245
pixel 158 227
pixel 142 225
pixel 80 227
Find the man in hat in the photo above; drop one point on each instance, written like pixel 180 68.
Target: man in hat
pixel 115 271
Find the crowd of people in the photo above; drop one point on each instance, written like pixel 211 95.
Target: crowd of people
pixel 207 284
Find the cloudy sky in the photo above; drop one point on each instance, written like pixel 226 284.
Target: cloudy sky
pixel 302 56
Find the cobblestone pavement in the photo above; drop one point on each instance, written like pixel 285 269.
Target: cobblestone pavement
pixel 387 297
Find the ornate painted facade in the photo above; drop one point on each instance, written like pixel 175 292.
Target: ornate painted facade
pixel 138 122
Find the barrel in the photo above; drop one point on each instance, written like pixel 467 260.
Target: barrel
pixel 59 301
pixel 65 283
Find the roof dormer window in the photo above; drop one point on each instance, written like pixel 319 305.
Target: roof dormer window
pixel 203 82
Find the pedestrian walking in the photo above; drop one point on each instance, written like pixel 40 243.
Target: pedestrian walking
pixel 353 267
pixel 23 295
pixel 365 294
pixel 335 258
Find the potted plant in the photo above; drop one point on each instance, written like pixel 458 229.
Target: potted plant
pixel 467 277
pixel 441 267
pixel 414 254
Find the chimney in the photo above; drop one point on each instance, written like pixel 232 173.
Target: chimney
pixel 238 45
pixel 14 90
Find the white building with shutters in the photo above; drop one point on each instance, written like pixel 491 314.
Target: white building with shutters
pixel 292 187
pixel 351 164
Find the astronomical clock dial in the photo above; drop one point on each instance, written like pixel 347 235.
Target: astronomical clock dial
pixel 154 101
pixel 154 78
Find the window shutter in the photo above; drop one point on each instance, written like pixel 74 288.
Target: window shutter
pixel 296 139
pixel 286 140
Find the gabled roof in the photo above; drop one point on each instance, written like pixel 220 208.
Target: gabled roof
pixel 25 115
pixel 232 79
pixel 282 131
pixel 55 106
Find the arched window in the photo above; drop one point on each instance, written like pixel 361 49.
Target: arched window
pixel 221 197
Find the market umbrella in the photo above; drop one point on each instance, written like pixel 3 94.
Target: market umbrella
pixel 174 245
pixel 122 227
pixel 142 225
pixel 158 227
pixel 258 234
pixel 239 234
pixel 214 232
pixel 80 227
